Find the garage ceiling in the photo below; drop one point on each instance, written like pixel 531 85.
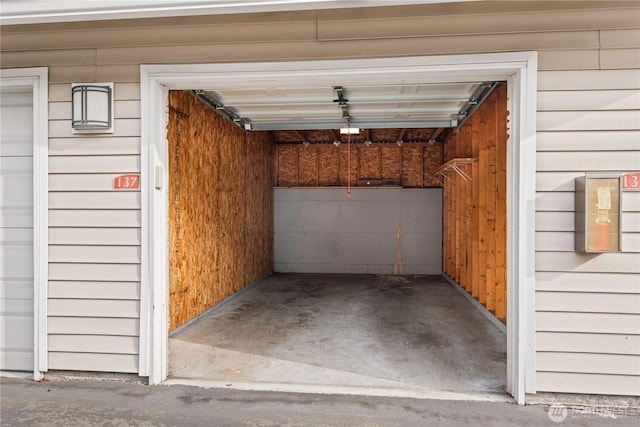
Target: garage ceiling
pixel 300 114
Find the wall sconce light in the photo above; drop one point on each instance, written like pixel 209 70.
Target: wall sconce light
pixel 92 107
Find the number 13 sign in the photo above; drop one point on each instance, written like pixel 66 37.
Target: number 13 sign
pixel 126 182
pixel 631 181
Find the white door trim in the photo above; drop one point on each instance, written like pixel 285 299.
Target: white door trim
pixel 37 79
pixel 518 68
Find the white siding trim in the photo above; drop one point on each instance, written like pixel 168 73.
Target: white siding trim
pixel 37 78
pixel 521 196
pixel 518 68
pixel 19 13
pixel 153 358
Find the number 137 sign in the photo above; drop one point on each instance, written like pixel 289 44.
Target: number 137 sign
pixel 126 182
pixel 631 181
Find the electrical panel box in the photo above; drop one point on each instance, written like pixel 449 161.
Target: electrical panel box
pixel 598 213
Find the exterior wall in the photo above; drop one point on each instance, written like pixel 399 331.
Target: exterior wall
pixel 375 230
pixel 587 307
pixel 94 239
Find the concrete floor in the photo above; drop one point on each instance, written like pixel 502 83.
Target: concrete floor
pixel 371 334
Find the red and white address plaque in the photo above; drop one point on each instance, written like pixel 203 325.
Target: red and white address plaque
pixel 631 181
pixel 126 182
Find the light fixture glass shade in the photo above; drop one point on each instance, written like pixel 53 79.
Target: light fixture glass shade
pixel 92 107
pixel 349 131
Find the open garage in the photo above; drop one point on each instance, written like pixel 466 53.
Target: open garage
pixel 327 236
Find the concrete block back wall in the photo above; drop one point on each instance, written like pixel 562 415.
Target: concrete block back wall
pixel 375 230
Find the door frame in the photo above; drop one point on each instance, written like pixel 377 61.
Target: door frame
pixel 37 79
pixel 519 69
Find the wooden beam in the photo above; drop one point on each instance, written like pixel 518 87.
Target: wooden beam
pixel 422 156
pixel 300 134
pixel 297 166
pixel 401 134
pixel 475 225
pixel 436 133
pixel 468 211
pixel 373 145
pixel 276 154
pixel 334 135
pixel 491 206
pixel 501 204
pixel 317 165
pixel 482 207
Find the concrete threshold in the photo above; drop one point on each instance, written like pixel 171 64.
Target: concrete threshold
pixel 16 374
pixel 408 393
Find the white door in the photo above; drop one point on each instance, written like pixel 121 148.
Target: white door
pixel 16 229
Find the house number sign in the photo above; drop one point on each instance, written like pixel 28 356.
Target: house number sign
pixel 631 181
pixel 126 182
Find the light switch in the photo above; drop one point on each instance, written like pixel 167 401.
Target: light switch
pixel 159 178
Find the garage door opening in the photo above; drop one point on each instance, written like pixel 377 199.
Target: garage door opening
pixel 517 69
pixel 357 204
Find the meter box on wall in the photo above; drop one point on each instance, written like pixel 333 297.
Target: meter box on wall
pixel 598 213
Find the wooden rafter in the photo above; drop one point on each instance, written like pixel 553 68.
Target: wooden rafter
pixel 401 134
pixel 300 134
pixel 436 133
pixel 334 135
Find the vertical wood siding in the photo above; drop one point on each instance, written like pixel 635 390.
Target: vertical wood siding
pixel 589 54
pixel 475 208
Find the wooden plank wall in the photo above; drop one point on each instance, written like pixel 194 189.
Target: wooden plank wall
pixel 221 208
pixel 475 209
pixel 325 165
